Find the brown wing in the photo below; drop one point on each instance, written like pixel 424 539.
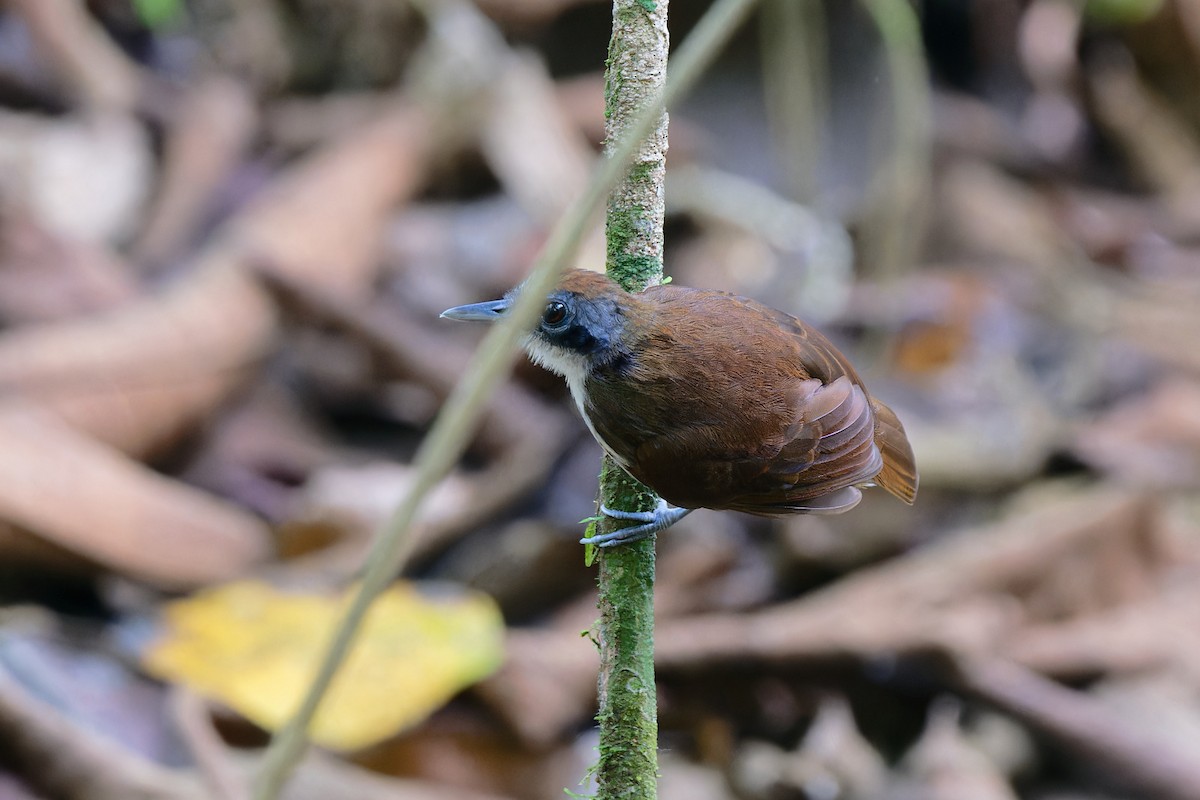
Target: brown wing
pixel 817 460
pixel 898 472
pixel 752 420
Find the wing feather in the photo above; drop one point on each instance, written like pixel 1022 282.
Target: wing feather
pixel 784 426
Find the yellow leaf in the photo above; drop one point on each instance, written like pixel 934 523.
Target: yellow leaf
pixel 256 648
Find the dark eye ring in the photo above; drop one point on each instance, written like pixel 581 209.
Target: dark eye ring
pixel 555 313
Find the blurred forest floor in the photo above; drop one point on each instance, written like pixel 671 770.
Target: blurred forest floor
pixel 227 228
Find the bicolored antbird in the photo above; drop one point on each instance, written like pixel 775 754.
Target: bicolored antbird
pixel 714 401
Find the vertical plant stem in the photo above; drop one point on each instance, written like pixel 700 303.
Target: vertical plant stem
pixel 628 715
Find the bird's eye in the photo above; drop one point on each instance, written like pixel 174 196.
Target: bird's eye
pixel 555 313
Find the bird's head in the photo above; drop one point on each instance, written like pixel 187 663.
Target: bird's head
pixel 583 325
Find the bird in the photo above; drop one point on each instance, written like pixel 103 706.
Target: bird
pixel 712 400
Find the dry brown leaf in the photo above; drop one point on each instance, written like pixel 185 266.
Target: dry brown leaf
pixel 91 500
pixel 45 277
pixel 1160 632
pixel 298 123
pixel 1139 754
pixel 93 67
pixel 541 158
pixel 1151 132
pixel 322 221
pixel 211 127
pixel 1152 440
pixel 995 215
pixel 973 588
pixel 1162 320
pixel 138 377
pixel 368 494
pixel 64 760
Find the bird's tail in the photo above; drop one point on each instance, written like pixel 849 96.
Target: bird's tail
pixel 899 473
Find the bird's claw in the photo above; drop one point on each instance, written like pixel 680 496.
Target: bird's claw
pixel 662 517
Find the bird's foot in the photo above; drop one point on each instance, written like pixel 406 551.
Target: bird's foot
pixel 662 517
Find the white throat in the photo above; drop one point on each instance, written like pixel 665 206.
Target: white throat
pixel 574 368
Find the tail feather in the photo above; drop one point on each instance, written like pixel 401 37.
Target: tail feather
pixel 899 473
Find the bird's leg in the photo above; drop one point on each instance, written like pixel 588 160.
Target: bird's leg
pixel 662 517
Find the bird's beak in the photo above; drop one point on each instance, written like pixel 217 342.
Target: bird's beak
pixel 486 312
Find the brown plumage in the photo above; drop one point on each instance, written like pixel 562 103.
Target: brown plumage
pixel 717 401
pixel 727 403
